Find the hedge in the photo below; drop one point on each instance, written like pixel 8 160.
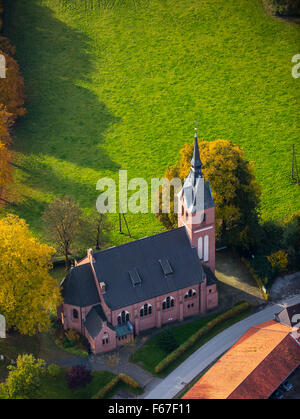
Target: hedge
pixel 114 382
pixel 173 356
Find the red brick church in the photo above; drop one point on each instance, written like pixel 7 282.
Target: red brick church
pixel 112 295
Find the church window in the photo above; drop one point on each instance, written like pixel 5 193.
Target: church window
pixel 206 248
pixel 75 314
pixel 123 317
pixel 200 248
pixel 146 310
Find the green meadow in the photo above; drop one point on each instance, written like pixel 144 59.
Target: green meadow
pixel 119 87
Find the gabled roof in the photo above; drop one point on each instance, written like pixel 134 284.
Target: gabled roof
pixel 113 265
pixel 79 288
pixel 247 369
pixel 94 320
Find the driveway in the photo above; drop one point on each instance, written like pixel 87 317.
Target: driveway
pixel 177 380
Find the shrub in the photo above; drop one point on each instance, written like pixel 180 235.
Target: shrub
pixel 106 389
pixel 167 340
pixel 129 381
pixel 53 370
pixel 73 336
pixel 278 261
pixel 283 7
pixel 79 376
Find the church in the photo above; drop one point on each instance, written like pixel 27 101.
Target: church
pixel 113 295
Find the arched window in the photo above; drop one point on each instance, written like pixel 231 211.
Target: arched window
pixel 168 302
pixel 200 248
pixel 190 293
pixel 206 249
pixel 145 310
pixel 75 314
pixel 123 317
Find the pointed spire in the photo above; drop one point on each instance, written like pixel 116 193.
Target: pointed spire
pixel 196 162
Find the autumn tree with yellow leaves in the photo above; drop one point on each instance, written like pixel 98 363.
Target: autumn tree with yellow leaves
pixel 235 190
pixel 28 293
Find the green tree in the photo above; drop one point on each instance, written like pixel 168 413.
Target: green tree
pixel 167 340
pixel 24 379
pixel 235 190
pixel 28 293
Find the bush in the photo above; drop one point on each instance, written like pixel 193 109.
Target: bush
pixel 129 381
pixel 106 389
pixel 73 336
pixel 167 340
pixel 278 261
pixel 283 7
pixel 53 370
pixel 79 376
pixel 173 356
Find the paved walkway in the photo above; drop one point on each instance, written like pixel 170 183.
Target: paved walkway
pixel 116 362
pixel 209 352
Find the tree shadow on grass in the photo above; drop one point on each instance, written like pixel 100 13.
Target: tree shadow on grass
pixel 65 119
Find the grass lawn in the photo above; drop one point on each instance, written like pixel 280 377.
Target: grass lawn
pixel 119 88
pixel 149 355
pixel 56 388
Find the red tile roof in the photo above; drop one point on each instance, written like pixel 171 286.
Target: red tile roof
pixel 247 369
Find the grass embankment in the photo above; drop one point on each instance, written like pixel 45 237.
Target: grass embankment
pixel 151 354
pixel 119 88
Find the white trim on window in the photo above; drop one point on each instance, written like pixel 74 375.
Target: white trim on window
pixel 206 249
pixel 200 248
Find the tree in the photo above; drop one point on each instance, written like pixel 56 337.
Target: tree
pixel 79 376
pixel 96 226
pixel 6 122
pixel 24 379
pixel 28 293
pixel 12 89
pixel 63 221
pixel 235 190
pixel 166 340
pixel 5 170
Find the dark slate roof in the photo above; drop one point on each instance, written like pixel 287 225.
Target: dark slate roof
pixel 192 189
pixel 286 315
pixel 94 320
pixel 196 162
pixel 79 288
pixel 113 265
pixel 211 279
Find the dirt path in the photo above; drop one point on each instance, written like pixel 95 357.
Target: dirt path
pixel 235 282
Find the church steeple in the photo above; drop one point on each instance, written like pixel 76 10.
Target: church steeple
pixel 196 163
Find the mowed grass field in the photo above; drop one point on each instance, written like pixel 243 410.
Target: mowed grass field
pixel 120 88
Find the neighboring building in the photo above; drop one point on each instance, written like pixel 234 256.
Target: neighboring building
pixel 290 316
pixel 112 295
pixel 254 367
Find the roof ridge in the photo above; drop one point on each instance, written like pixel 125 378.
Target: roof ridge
pixel 137 240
